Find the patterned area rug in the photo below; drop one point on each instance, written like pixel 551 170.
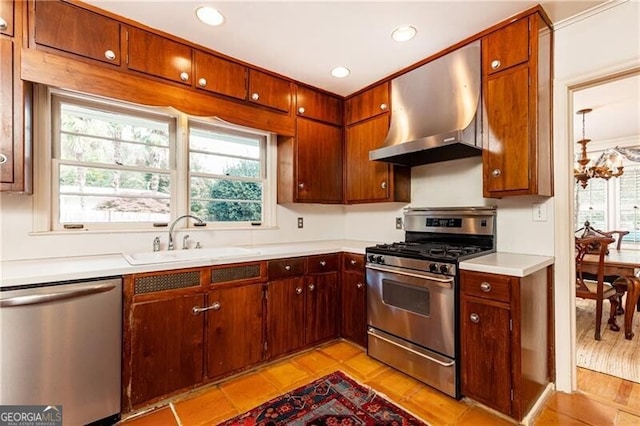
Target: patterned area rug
pixel 613 355
pixel 334 399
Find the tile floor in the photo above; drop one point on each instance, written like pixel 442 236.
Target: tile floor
pixel 213 404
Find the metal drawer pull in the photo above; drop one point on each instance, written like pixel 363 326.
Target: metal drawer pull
pixel 184 76
pixel 202 82
pixel 485 286
pixel 298 290
pixel 214 307
pixel 3 24
pixel 110 55
pixel 353 261
pixel 323 263
pixel 383 185
pixel 287 267
pixel 301 110
pixel 384 107
pixel 495 64
pixel 496 172
pixel 301 185
pixel 3 158
pixel 311 287
pixel 475 318
pixel 359 285
pixel 444 364
pixel 255 96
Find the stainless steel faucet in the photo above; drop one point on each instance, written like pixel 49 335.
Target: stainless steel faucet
pixel 199 222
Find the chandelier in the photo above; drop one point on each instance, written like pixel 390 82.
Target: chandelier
pixel 608 165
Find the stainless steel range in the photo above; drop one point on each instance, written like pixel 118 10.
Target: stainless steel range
pixel 412 291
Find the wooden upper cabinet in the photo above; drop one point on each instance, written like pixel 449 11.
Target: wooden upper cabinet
pixel 318 106
pixel 219 75
pixel 270 91
pixel 7 137
pixel 517 158
pixel 69 28
pixel 7 12
pixel 367 104
pixel 507 47
pixel 159 56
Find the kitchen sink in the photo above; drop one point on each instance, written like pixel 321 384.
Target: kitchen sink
pixel 213 253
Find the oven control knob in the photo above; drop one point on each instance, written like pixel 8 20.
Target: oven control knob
pixel 380 259
pixel 433 267
pixel 372 258
pixel 444 269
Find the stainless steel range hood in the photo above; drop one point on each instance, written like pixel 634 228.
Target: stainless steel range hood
pixel 436 111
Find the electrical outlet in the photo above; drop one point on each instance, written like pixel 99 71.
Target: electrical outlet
pixel 300 222
pixel 398 223
pixel 539 212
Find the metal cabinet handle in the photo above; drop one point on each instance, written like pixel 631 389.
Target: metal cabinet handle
pixel 110 55
pixel 3 158
pixel 202 82
pixel 496 172
pixel 383 185
pixel 3 24
pixel 353 261
pixel 54 296
pixel 495 64
pixel 298 290
pixel 474 318
pixel 485 286
pixel 311 287
pixel 301 185
pixel 384 107
pixel 255 96
pixel 323 263
pixel 184 76
pixel 287 267
pixel 301 110
pixel 215 306
pixel 359 285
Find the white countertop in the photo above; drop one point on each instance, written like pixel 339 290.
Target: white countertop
pixel 517 265
pixel 34 271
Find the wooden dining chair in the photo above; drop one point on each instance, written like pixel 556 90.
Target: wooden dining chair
pixel 595 289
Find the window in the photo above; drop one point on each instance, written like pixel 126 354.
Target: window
pixel 227 176
pixel 612 204
pixel 115 165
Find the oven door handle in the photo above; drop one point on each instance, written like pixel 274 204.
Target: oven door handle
pixel 404 348
pixel 442 282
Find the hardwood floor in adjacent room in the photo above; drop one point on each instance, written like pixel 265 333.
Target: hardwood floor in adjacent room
pixel 609 401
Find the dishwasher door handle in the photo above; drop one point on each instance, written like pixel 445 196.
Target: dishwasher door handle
pixel 37 299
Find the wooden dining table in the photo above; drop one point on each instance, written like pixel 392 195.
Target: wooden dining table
pixel 621 263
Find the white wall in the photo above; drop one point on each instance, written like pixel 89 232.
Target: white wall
pixel 587 48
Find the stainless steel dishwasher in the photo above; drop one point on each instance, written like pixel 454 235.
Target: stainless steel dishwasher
pixel 61 345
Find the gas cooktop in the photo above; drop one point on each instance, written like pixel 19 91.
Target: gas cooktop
pixel 428 250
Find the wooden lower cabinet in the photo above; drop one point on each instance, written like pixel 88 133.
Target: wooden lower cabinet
pixel 285 315
pixel 353 300
pixel 166 347
pixel 321 305
pixel 504 339
pixel 234 331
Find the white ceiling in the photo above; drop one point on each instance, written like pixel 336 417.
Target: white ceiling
pixel 304 40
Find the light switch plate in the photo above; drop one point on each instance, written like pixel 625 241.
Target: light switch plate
pixel 539 212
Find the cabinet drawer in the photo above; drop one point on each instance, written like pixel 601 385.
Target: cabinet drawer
pixel 323 263
pixel 487 286
pixel 506 47
pixel 158 56
pixel 353 262
pixel 367 104
pixel 283 268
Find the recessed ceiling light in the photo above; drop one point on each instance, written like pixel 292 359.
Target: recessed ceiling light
pixel 209 15
pixel 404 33
pixel 340 72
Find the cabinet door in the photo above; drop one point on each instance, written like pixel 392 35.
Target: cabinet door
pixel 319 162
pixel 269 91
pixel 354 313
pixel 321 307
pixel 234 329
pixel 219 75
pixel 7 137
pixel 6 17
pixel 367 104
pixel 319 106
pixel 366 180
pixel 166 346
pixel 285 315
pixel 486 357
pixel 506 155
pixel 158 56
pixel 66 27
pixel 506 47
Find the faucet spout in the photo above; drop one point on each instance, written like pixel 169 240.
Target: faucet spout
pixel 199 222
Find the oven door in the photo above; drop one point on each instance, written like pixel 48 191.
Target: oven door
pixel 416 306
